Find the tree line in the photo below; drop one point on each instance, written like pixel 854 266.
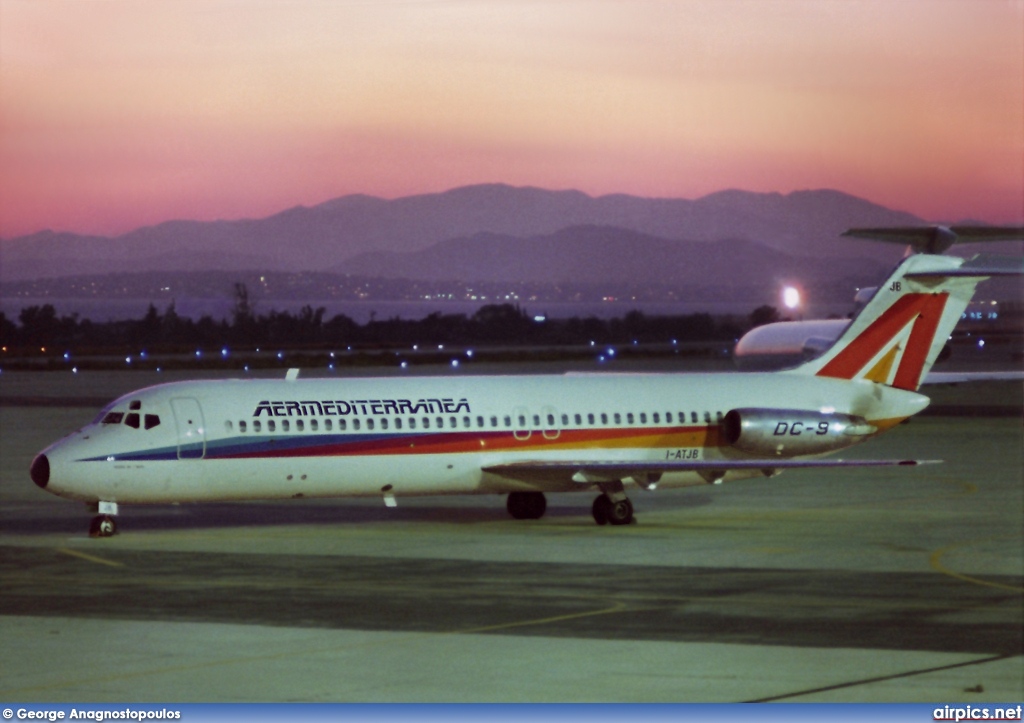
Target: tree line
pixel 496 324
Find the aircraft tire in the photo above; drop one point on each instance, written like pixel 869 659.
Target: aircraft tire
pixel 621 512
pixel 102 526
pixel 526 505
pixel 600 509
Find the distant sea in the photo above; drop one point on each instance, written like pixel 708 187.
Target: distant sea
pixel 361 312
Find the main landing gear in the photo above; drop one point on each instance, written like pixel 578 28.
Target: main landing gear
pixel 609 511
pixel 526 505
pixel 611 507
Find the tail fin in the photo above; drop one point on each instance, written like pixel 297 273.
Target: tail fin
pixel 899 333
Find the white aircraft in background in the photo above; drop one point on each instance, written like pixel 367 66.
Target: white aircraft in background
pixel 783 344
pixel 523 436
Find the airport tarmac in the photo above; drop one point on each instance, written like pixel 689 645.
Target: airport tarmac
pixel 902 584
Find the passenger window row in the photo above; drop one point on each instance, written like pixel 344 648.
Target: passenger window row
pixel 372 424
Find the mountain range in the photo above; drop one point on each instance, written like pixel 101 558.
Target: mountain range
pixel 606 255
pixel 495 232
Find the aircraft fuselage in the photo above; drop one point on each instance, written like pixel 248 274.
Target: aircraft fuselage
pixel 271 439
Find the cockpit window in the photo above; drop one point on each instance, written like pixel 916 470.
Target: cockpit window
pixel 113 417
pixel 132 420
pixel 135 405
pixel 152 420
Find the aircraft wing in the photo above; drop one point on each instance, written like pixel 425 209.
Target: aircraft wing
pixel 646 473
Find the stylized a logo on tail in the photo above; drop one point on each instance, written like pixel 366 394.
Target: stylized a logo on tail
pixel 894 348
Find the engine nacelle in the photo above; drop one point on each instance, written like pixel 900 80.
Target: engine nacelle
pixel 792 432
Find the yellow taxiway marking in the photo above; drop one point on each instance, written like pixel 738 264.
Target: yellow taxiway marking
pixel 616 608
pixel 90 558
pixel 935 561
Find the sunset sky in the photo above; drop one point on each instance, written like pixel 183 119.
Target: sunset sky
pixel 121 113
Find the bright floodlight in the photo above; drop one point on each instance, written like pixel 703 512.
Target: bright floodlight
pixel 791 297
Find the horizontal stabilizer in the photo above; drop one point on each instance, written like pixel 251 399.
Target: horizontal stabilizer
pixel 967 377
pixel 980 265
pixel 936 239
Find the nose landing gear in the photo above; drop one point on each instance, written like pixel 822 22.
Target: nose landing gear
pixel 103 524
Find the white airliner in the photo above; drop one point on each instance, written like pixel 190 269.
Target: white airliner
pixel 522 436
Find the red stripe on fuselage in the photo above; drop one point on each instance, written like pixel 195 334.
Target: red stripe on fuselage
pixel 491 441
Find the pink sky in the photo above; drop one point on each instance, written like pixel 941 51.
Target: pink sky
pixel 117 113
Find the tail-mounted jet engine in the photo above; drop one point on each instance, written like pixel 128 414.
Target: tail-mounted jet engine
pixel 792 432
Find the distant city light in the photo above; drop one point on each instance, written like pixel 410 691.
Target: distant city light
pixel 790 297
pixel 981 343
pixel 540 318
pixel 404 365
pixel 455 362
pixel 199 353
pixel 224 351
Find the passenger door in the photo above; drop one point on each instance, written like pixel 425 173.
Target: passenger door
pixel 188 419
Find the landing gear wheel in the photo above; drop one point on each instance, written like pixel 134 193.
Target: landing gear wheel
pixel 621 512
pixel 526 505
pixel 606 512
pixel 102 526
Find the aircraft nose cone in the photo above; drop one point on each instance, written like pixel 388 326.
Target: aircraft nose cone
pixel 40 471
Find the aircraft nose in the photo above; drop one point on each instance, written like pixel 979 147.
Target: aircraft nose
pixel 40 471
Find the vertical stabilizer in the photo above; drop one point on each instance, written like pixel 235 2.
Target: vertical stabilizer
pixel 899 333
